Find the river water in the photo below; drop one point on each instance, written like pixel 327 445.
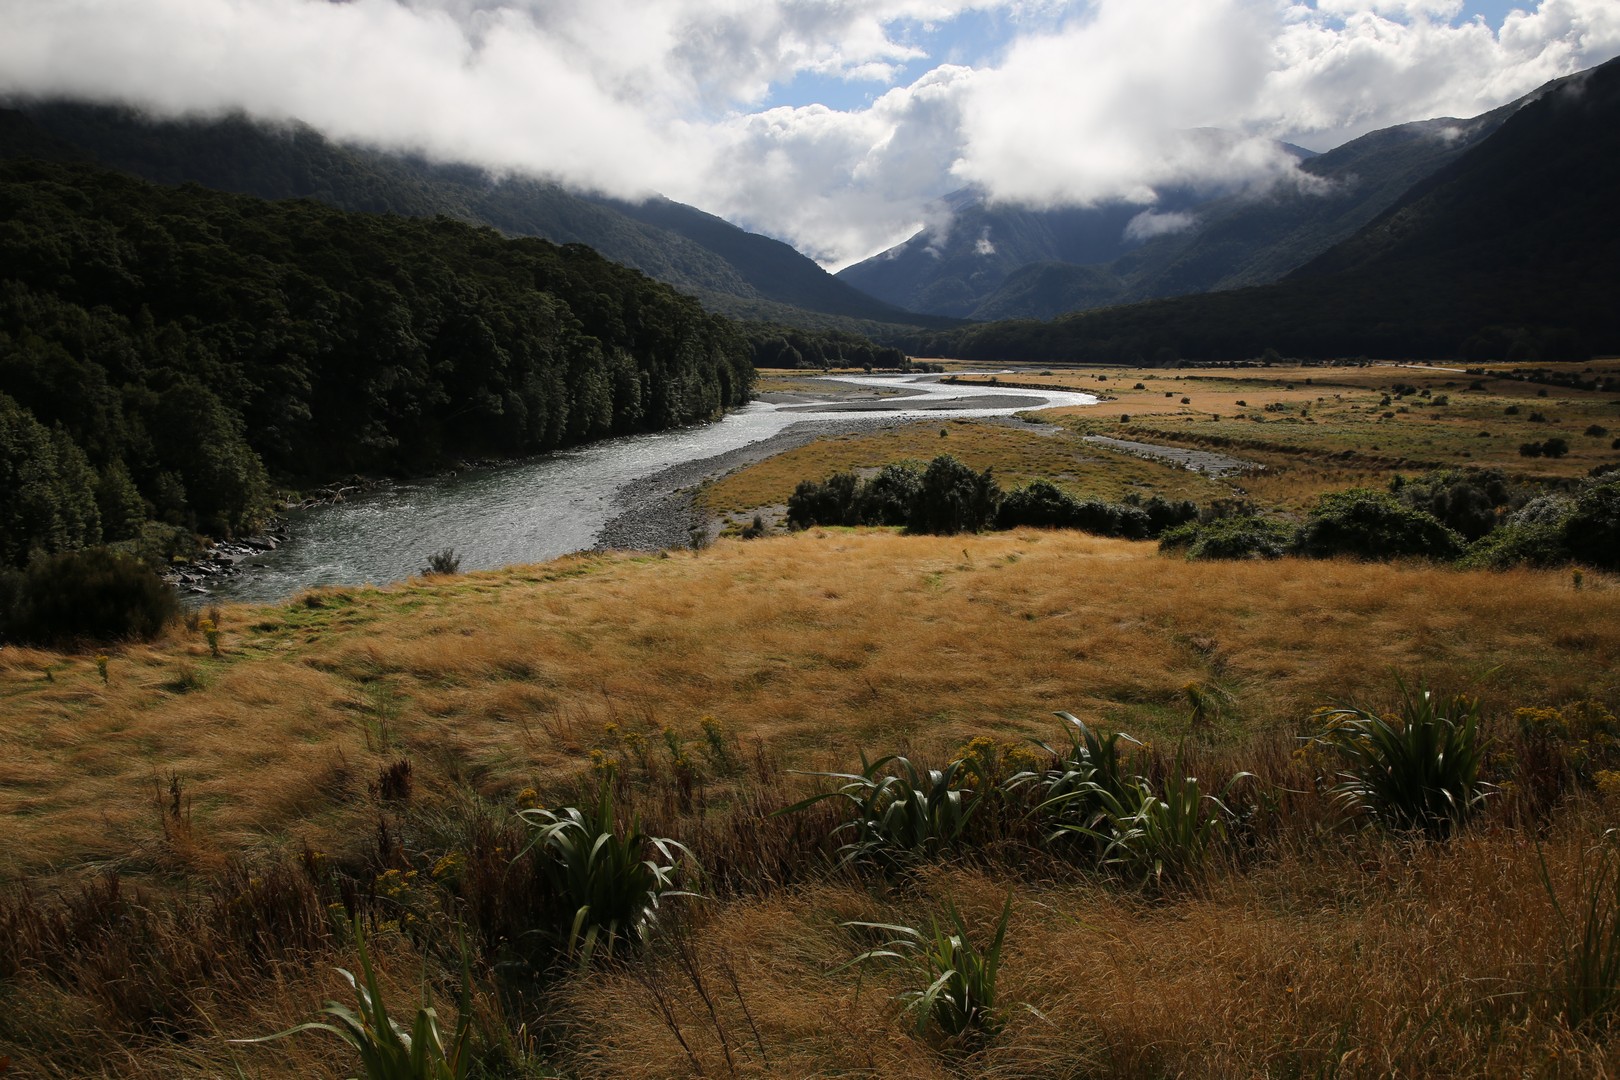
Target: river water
pixel 540 508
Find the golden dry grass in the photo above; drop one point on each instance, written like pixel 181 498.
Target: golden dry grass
pixel 1371 961
pixel 819 644
pixel 1328 428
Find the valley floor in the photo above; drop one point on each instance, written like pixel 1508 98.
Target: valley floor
pixel 190 775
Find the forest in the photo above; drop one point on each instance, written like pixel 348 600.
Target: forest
pixel 170 356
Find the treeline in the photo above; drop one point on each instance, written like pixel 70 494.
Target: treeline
pixel 773 345
pixel 1474 517
pixel 168 354
pixel 946 497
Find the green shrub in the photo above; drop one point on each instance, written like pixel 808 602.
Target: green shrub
pixel 1160 836
pixel 953 499
pixel 1416 772
pixel 1465 500
pixel 1041 504
pixel 89 595
pixel 1373 525
pixel 1592 530
pixel 443 561
pixel 1243 536
pixel 830 502
pixel 886 499
pixel 1090 766
pixel 1518 544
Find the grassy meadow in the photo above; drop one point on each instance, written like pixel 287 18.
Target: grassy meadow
pixel 198 827
pixel 344 748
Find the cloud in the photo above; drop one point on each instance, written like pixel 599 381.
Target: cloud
pixel 1150 223
pixel 1089 100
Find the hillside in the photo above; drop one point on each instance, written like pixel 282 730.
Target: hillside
pixel 1510 251
pixel 732 271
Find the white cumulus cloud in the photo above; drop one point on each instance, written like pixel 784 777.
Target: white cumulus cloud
pixel 1097 99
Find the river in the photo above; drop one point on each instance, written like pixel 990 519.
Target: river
pixel 542 507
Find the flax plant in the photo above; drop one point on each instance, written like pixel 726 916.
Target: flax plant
pixel 388 1049
pixel 1417 772
pixel 903 815
pixel 960 995
pixel 1587 990
pixel 611 880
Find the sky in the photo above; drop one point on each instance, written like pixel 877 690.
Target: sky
pixel 832 124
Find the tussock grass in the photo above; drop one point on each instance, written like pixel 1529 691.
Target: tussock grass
pixel 819 644
pixel 694 683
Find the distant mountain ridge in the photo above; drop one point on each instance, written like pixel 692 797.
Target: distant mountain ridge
pixel 732 271
pixel 1083 258
pixel 1509 251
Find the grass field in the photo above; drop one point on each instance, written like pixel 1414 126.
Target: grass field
pixel 1313 950
pixel 1317 428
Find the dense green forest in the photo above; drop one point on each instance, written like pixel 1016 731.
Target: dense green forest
pixel 773 345
pixel 736 273
pixel 167 355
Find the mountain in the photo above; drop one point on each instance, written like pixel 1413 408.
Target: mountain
pixel 1511 250
pixel 1230 241
pixel 951 268
pixel 732 271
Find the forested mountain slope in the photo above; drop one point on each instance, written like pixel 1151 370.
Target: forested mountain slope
pixel 737 272
pixel 167 353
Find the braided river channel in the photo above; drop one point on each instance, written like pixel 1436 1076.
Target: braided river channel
pixel 542 507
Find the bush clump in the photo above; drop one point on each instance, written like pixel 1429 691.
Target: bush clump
pixel 1374 525
pixel 1592 530
pixel 1462 499
pixel 953 499
pixel 1244 536
pixel 90 595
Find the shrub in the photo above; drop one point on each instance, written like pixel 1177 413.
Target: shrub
pixel 952 498
pixel 1157 837
pixel 886 498
pixel 959 979
pixel 1041 504
pixel 1592 530
pixel 89 595
pixel 1526 543
pixel 1461 499
pixel 1244 536
pixel 1373 525
pixel 1416 772
pixel 830 502
pixel 1091 765
pixel 443 561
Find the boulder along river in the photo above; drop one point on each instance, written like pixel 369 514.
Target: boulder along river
pixel 630 492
